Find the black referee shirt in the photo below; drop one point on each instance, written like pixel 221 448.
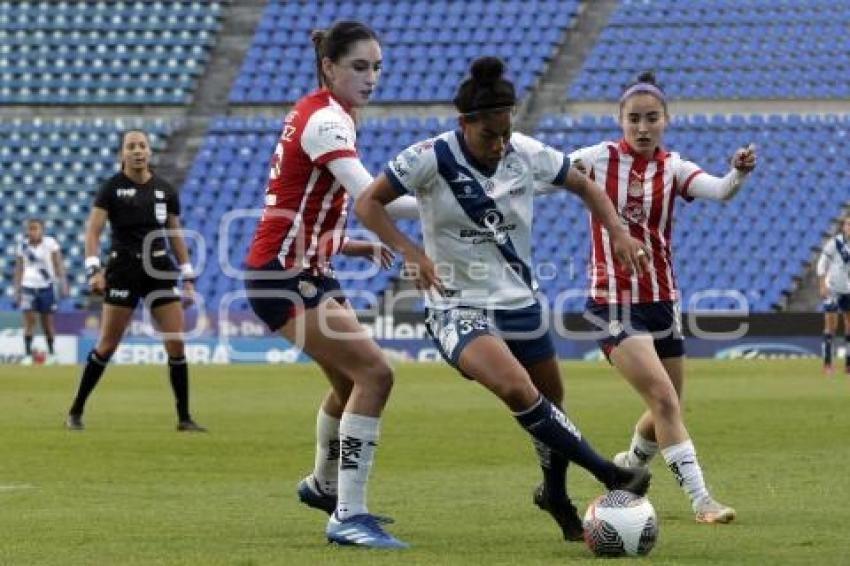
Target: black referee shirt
pixel 135 210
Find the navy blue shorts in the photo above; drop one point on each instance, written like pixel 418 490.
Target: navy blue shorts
pixel 275 300
pixel 837 302
pixel 662 320
pixel 38 300
pixel 523 330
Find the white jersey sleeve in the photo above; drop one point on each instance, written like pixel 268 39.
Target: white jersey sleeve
pixel 413 170
pixel 686 172
pixel 548 165
pixel 825 258
pixel 329 134
pixel 51 244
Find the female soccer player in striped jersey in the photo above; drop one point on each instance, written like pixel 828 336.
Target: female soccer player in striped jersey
pixel 291 286
pixel 834 285
pixel 475 189
pixel 638 315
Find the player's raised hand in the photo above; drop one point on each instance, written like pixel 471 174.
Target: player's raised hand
pixel 630 252
pixel 419 267
pixel 744 159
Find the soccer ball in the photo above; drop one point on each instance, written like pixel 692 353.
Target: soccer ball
pixel 620 523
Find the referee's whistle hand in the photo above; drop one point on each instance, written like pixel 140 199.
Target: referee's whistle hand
pixel 97 284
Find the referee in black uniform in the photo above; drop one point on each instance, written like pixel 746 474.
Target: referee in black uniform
pixel 138 206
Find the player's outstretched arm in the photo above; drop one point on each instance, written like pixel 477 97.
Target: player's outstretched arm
pixel 724 188
pixel 59 270
pixel 352 175
pixel 370 208
pixel 375 251
pixel 630 252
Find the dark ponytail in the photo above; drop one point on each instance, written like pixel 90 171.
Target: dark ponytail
pixel 485 89
pixel 336 41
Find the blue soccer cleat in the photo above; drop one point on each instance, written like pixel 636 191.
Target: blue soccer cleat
pixel 310 495
pixel 360 530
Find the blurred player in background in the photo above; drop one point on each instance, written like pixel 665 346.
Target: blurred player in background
pixel 638 314
pixel 292 288
pixel 138 205
pixel 38 267
pixel 475 188
pixel 834 284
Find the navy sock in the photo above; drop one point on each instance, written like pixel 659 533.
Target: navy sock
pixel 178 373
pixel 549 425
pixel 49 340
pixel 28 345
pixel 827 349
pixel 554 466
pixel 91 375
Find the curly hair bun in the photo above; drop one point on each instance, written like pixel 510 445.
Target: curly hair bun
pixel 487 70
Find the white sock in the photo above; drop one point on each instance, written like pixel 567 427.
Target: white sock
pixel 358 437
pixel 326 468
pixel 682 460
pixel 641 450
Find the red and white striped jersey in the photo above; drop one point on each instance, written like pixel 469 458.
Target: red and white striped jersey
pixel 303 222
pixel 643 192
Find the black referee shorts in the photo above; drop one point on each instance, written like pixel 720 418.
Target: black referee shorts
pixel 127 282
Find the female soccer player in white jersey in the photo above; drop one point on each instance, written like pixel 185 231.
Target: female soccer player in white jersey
pixel 475 189
pixel 38 266
pixel 291 286
pixel 638 315
pixel 834 284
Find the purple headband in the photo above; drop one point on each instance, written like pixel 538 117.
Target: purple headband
pixel 643 87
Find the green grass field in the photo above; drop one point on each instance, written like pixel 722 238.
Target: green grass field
pixel 453 468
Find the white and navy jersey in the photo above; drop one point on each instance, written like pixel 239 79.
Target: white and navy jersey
pixel 834 263
pixel 38 262
pixel 643 191
pixel 477 223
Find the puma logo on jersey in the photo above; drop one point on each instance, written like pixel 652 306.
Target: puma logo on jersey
pixel 126 193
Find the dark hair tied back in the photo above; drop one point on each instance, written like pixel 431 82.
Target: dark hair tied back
pixel 336 41
pixel 486 88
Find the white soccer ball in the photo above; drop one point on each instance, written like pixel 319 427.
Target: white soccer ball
pixel 620 523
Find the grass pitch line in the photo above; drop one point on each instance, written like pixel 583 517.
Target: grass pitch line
pixel 13 487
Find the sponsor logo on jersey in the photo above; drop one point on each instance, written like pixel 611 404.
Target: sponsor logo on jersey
pixel 635 188
pixel 461 178
pixel 615 328
pixel 119 293
pixel 271 200
pixel 514 164
pixel 125 192
pixel 159 194
pixel 489 187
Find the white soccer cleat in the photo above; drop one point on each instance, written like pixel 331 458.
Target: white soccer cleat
pixel 26 361
pixel 622 459
pixel 50 360
pixel 710 511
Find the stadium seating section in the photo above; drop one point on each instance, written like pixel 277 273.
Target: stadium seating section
pixel 51 170
pixel 125 52
pixel 704 49
pixel 422 63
